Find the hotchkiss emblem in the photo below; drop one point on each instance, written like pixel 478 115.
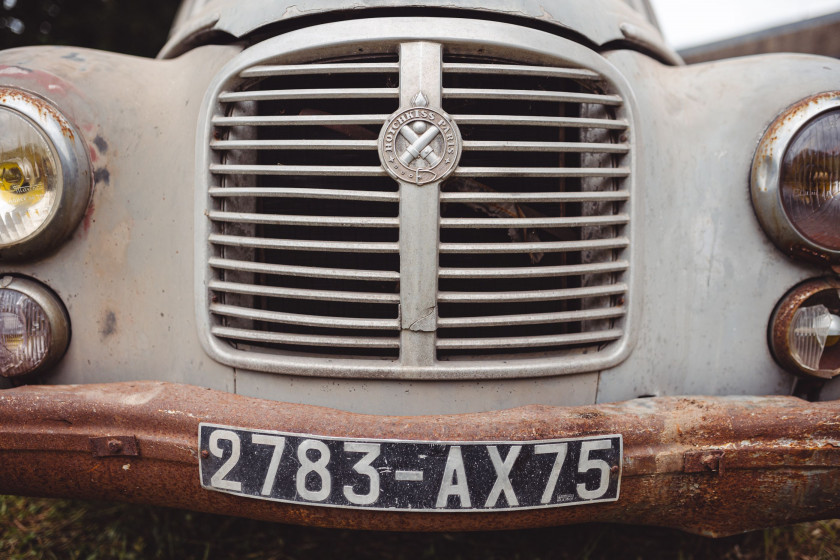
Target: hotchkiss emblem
pixel 420 145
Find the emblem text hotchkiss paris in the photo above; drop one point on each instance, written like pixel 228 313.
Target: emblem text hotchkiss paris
pixel 420 145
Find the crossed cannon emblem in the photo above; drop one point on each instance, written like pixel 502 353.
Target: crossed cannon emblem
pixel 419 135
pixel 419 145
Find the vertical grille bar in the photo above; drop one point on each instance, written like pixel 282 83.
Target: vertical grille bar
pixel 418 219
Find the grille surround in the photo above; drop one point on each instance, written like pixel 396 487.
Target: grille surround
pixel 461 38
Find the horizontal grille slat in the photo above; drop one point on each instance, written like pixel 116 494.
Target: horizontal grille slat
pixel 298 170
pixel 549 172
pixel 305 144
pixel 331 194
pixel 318 295
pixel 569 147
pixel 311 221
pixel 280 95
pixel 270 70
pixel 522 95
pixel 538 295
pixel 519 70
pixel 307 320
pixel 535 271
pixel 295 245
pixel 534 222
pixel 299 120
pixel 485 197
pixel 305 271
pixel 530 341
pixel 554 246
pixel 305 340
pixel 531 319
pixel 548 121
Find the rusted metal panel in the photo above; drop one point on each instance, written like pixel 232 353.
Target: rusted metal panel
pixel 114 446
pixel 704 461
pixel 781 454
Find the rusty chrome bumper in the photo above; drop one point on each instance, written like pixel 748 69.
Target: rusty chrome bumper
pixel 709 465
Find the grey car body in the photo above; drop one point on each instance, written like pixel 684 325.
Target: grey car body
pixel 679 304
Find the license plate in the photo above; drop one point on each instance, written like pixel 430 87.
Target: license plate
pixel 398 475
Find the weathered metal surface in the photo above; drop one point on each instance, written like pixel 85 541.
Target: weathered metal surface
pixel 198 21
pixel 114 446
pixel 781 454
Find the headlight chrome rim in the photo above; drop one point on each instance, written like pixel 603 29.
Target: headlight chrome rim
pixel 74 173
pixel 766 176
pixel 56 314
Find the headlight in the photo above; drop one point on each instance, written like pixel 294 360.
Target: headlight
pixel 796 179
pixel 34 327
pixel 45 177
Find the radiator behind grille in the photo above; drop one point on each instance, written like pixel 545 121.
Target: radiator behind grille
pixel 303 247
pixel 306 229
pixel 532 223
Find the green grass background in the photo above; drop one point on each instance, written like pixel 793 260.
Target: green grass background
pixel 32 528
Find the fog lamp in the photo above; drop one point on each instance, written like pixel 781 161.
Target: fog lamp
pixel 34 327
pixel 796 179
pixel 805 329
pixel 45 178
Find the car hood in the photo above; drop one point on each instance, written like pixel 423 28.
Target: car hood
pixel 598 21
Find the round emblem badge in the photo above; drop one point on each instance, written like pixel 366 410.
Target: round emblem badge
pixel 420 145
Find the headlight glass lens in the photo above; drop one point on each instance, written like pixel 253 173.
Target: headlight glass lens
pixel 29 178
pixel 810 181
pixel 25 334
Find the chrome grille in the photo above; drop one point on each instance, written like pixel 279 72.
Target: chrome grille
pixel 320 263
pixel 532 224
pixel 305 227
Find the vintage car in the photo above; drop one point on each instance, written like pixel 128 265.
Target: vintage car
pixel 427 265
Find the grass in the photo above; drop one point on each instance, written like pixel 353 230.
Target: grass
pixel 64 529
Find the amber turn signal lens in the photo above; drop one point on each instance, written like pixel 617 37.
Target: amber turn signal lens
pixel 810 181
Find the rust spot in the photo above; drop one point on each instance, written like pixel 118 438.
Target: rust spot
pixel 109 325
pixel 100 144
pixel 88 219
pixel 704 461
pixel 45 109
pixel 102 175
pixel 114 446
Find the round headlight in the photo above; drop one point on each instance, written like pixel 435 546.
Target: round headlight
pixel 34 327
pixel 45 177
pixel 796 179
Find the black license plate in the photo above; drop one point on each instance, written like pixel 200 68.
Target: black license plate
pixel 409 475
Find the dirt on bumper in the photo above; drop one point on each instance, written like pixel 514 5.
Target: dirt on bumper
pixel 709 465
